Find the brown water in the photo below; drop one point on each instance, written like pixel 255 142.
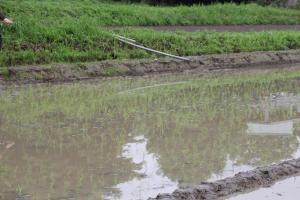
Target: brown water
pixel 133 139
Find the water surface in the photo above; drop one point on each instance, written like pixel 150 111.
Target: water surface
pixel 288 189
pixel 135 138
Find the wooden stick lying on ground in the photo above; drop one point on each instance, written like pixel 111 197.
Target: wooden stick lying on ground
pixel 132 43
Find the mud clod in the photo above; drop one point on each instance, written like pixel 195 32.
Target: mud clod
pixel 199 64
pixel 241 182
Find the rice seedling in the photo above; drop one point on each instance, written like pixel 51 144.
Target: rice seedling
pixel 193 128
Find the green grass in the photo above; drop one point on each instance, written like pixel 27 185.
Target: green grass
pixel 59 12
pixel 70 31
pixel 102 46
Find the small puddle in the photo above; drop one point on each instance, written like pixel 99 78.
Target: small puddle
pixel 136 138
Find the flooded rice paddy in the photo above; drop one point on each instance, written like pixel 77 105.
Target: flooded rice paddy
pixel 136 138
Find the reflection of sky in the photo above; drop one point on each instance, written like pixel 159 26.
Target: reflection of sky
pixel 288 189
pixel 151 180
pixel 297 153
pixel 274 128
pixel 229 170
pixel 280 99
pixel 267 104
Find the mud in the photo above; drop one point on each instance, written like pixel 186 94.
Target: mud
pixel 241 182
pixel 199 64
pixel 225 28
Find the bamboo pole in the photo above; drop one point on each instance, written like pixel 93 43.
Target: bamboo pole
pixel 132 43
pixel 124 38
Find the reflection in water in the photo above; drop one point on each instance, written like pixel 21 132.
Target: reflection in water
pixel 288 189
pixel 72 141
pixel 275 101
pixel 296 154
pixel 274 128
pixel 230 168
pixel 151 180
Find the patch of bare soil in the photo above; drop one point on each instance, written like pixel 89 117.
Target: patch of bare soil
pixel 118 68
pixel 241 182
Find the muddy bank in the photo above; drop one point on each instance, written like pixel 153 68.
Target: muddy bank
pixel 199 64
pixel 241 182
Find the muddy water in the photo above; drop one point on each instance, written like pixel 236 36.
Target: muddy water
pixel 133 139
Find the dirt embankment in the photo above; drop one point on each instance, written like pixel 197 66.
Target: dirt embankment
pixel 241 182
pixel 199 64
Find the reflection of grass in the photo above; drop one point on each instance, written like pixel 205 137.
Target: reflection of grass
pixel 3 171
pixel 192 127
pixel 203 100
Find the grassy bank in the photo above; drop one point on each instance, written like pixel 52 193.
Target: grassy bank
pixel 99 45
pixel 93 12
pixel 69 31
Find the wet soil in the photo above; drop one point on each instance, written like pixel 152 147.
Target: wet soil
pixel 197 64
pixel 243 181
pixel 224 28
